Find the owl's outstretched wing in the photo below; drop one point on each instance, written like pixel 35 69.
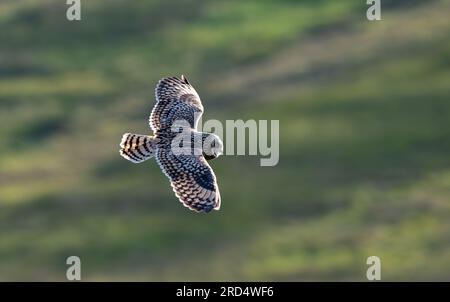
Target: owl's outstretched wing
pixel 192 180
pixel 176 99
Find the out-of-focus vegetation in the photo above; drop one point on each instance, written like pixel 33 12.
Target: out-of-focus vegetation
pixel 364 110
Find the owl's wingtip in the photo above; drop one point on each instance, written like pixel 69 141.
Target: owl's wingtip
pixel 184 79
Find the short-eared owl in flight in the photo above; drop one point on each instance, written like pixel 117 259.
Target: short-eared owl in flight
pixel 190 175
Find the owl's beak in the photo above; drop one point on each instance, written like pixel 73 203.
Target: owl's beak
pixel 217 152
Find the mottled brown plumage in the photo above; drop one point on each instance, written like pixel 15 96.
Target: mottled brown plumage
pixel 190 175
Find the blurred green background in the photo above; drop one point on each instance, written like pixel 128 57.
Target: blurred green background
pixel 364 110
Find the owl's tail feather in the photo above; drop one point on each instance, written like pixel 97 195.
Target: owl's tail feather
pixel 137 147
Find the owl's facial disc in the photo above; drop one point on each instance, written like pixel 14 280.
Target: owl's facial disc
pixel 217 146
pixel 213 146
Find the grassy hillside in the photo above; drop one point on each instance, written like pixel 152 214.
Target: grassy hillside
pixel 364 139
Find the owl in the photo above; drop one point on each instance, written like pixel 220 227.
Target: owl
pixel 175 115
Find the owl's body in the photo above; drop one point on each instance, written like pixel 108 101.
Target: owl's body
pixel 191 177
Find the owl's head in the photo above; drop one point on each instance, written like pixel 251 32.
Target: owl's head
pixel 212 146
